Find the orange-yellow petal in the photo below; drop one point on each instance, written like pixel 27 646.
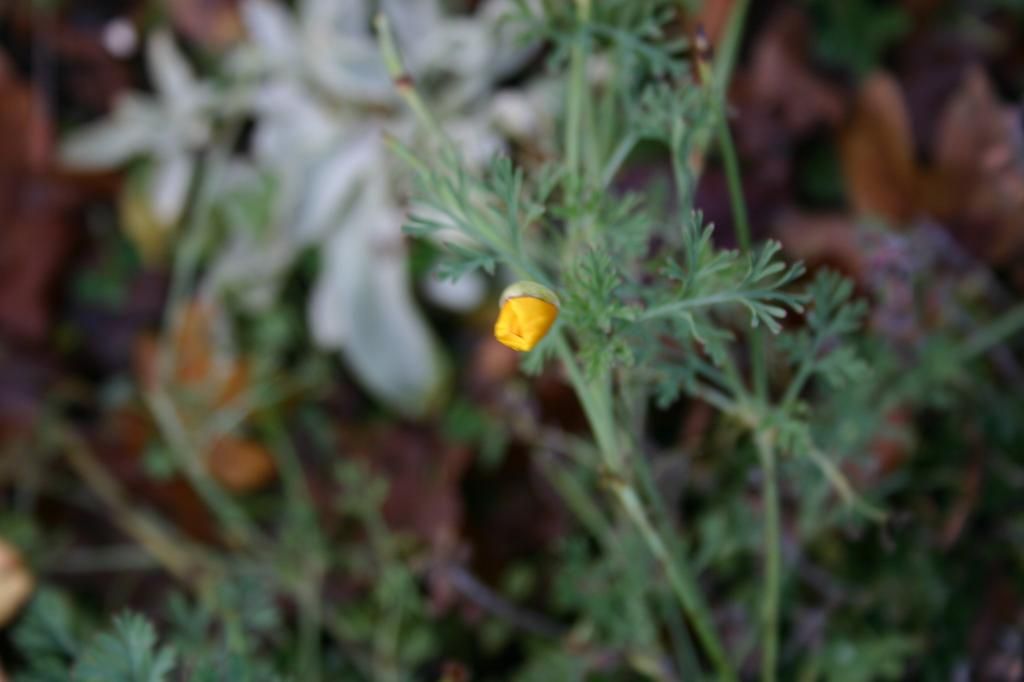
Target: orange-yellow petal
pixel 524 321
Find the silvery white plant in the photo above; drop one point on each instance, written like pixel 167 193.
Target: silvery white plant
pixel 166 128
pixel 315 88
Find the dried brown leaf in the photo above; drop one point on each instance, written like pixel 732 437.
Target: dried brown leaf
pixel 16 582
pixel 37 209
pixel 240 465
pixel 213 379
pixel 823 239
pixel 781 82
pixel 877 152
pixel 979 176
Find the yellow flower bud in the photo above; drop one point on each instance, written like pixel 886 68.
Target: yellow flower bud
pixel 527 312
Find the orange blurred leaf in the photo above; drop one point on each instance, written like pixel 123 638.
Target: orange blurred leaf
pixel 16 582
pixel 204 379
pixel 240 465
pixel 979 178
pixel 877 152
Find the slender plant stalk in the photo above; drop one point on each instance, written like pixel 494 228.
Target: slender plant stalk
pixel 596 396
pixel 302 513
pixel 741 221
pixel 239 528
pixel 759 370
pixel 179 557
pixel 772 563
pixel 997 332
pixel 728 50
pixel 680 578
pixel 731 166
pixel 403 80
pixel 576 97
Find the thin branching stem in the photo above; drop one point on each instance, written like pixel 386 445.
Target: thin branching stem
pixel 758 361
pixel 843 487
pixel 997 332
pixel 574 107
pixel 721 298
pixel 178 556
pixel 601 420
pixel 731 166
pixel 240 530
pixel 403 80
pixel 772 559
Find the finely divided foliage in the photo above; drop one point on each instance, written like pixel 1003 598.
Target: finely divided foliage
pixel 656 307
pixel 649 298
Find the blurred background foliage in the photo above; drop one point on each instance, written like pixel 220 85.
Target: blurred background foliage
pixel 248 432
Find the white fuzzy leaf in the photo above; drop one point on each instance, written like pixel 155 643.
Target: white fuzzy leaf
pixel 362 305
pixel 271 26
pixel 350 69
pixel 416 24
pixel 111 142
pixel 170 71
pixel 336 182
pixel 169 185
pixel 461 296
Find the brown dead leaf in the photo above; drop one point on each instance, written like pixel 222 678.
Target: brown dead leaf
pixel 826 239
pixel 240 465
pixel 978 184
pixel 37 209
pixel 216 375
pixel 975 184
pixel 206 379
pixel 74 61
pixel 780 81
pixel 215 24
pixel 713 18
pixel 16 582
pixel 877 152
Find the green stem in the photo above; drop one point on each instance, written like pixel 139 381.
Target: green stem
pixel 403 79
pixel 843 487
pixel 675 307
pixel 237 525
pixel 301 521
pixel 680 579
pixel 738 204
pixel 683 584
pixel 731 166
pixel 184 560
pixel 995 333
pixel 617 158
pixel 803 373
pixel 772 561
pixel 600 421
pixel 576 96
pixel 729 47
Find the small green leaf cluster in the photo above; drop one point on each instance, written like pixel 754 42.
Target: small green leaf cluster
pixel 127 652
